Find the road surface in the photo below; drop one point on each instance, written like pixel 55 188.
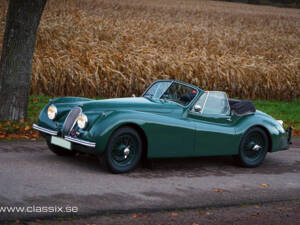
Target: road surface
pixel 31 176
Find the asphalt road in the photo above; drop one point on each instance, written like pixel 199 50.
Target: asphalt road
pixel 32 176
pixel 274 213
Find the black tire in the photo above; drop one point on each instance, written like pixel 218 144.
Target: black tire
pixel 59 150
pixel 115 158
pixel 248 157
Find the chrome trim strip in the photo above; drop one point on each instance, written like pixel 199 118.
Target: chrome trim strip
pixel 45 130
pixel 177 82
pixel 171 81
pixel 204 102
pixel 81 142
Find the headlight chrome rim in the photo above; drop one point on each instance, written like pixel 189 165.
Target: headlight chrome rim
pixel 82 121
pixel 52 112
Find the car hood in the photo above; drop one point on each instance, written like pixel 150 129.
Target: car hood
pixel 137 104
pixel 91 106
pixel 94 108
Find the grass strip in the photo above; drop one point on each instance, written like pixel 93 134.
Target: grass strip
pixel 289 112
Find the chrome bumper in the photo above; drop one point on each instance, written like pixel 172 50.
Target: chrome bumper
pixel 68 138
pixel 44 130
pixel 81 142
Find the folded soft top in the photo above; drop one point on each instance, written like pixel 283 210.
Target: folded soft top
pixel 242 107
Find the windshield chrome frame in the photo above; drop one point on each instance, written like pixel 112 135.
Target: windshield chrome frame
pixel 171 82
pixel 199 91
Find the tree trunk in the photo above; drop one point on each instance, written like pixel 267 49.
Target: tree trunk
pixel 22 20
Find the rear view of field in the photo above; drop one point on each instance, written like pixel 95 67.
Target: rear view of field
pixel 116 48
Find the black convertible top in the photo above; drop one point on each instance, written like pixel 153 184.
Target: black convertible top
pixel 242 107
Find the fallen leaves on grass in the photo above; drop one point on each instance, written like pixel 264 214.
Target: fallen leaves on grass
pixel 204 213
pixel 22 129
pixel 296 133
pixel 18 130
pixel 174 214
pixel 217 190
pixel 27 128
pixel 134 216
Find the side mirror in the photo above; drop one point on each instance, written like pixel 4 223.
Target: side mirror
pixel 197 108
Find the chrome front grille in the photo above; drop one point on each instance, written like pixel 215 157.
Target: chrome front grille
pixel 71 120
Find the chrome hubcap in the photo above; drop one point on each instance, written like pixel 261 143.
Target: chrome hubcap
pixel 256 148
pixel 126 152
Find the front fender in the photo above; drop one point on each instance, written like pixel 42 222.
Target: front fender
pixel 105 125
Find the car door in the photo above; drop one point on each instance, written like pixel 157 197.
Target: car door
pixel 171 137
pixel 215 127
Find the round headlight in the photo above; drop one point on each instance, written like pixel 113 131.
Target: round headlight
pixel 52 111
pixel 82 121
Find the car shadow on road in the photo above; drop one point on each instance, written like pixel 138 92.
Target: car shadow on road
pixel 188 167
pixel 211 166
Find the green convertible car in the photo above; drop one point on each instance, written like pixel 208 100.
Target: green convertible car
pixel 171 119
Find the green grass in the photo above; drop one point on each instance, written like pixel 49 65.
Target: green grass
pixel 35 105
pixel 289 112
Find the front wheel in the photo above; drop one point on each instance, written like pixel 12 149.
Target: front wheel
pixel 124 150
pixel 253 148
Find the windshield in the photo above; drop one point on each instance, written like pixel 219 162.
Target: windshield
pixel 157 89
pixel 172 91
pixel 213 102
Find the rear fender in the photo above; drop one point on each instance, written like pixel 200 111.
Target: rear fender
pixel 277 135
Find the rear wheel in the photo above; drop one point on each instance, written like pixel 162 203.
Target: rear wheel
pixel 253 148
pixel 59 150
pixel 124 150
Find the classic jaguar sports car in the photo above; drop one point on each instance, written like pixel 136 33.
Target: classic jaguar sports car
pixel 171 119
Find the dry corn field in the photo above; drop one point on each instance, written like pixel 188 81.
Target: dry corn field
pixel 117 48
